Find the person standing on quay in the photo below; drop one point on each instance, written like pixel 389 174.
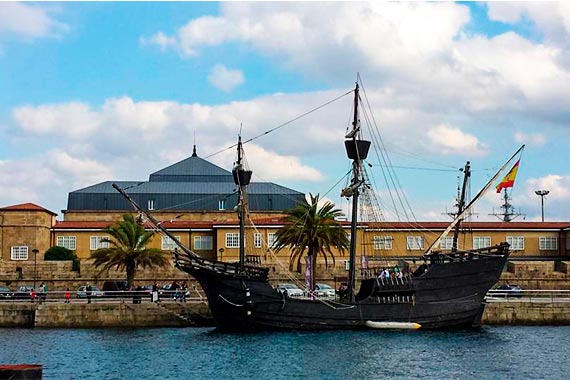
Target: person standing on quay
pixel 41 293
pixel 67 295
pixel 88 290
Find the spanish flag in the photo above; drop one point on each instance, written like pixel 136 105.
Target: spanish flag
pixel 509 179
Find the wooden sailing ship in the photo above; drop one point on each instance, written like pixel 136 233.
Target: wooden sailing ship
pixel 446 290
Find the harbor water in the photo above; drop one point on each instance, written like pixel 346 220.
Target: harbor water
pixel 514 352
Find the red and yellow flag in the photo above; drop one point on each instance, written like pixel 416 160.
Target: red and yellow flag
pixel 509 179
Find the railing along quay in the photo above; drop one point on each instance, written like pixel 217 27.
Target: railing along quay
pixel 537 296
pixel 134 296
pixel 197 295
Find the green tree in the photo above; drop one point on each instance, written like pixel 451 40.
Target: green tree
pixel 62 253
pixel 128 250
pixel 312 231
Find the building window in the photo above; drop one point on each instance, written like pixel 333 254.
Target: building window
pixel 66 242
pixel 446 242
pixel 203 243
pixel 19 253
pixel 257 240
pixel 481 242
pixel 547 243
pixel 232 240
pixel 95 242
pixel 222 204
pixel 151 204
pixel 382 242
pixel 415 243
pixel 270 239
pixel 168 244
pixel 516 242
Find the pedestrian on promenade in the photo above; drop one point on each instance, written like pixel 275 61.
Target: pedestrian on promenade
pixel 41 293
pixel 88 290
pixel 155 292
pixel 45 291
pixel 32 295
pixel 67 295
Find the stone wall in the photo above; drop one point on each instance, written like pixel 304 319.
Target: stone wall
pixel 106 315
pixel 96 315
pixel 17 315
pixel 527 313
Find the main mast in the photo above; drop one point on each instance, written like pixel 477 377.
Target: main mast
pixel 242 177
pixel 356 150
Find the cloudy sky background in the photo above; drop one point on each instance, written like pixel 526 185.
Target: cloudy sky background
pixel 91 92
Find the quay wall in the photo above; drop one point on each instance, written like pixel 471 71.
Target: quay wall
pixel 527 313
pixel 103 315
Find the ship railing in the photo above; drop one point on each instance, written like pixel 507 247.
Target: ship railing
pixel 437 257
pixel 220 266
pixel 394 282
pixel 532 296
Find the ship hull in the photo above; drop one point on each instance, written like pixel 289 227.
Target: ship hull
pixel 446 295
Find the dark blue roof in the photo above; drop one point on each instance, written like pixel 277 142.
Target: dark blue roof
pixel 192 169
pixel 134 187
pixel 191 184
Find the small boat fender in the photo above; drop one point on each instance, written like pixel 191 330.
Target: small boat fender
pixel 393 325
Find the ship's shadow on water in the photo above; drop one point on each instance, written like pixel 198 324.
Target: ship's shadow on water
pixel 203 353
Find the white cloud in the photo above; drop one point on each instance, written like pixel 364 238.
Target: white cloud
pixel 160 39
pixel 225 79
pixel 29 21
pixel 137 138
pixel 552 18
pixel 558 185
pixel 450 140
pixel 74 120
pixel 83 172
pixel 532 139
pixel 444 69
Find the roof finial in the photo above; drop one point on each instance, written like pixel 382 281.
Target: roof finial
pixel 194 152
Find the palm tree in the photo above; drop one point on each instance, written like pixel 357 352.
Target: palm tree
pixel 313 229
pixel 127 250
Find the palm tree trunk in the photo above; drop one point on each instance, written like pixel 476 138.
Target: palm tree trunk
pixel 131 271
pixel 313 270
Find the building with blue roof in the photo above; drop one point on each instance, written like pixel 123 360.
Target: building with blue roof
pixel 192 184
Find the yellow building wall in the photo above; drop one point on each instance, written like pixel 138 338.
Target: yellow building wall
pixel 25 228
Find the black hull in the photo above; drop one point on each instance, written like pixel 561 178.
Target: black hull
pixel 448 294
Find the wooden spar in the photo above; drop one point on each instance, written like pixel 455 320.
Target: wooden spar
pixel 462 214
pixel 154 222
pixel 393 325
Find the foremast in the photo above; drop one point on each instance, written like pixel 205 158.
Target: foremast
pixel 461 205
pixel 242 177
pixel 357 151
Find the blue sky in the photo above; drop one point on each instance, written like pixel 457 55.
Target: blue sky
pixel 100 91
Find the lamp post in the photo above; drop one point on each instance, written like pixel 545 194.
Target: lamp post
pixel 542 194
pixel 35 252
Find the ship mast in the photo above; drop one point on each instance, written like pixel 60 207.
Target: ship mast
pixel 461 205
pixel 508 214
pixel 242 177
pixel 357 151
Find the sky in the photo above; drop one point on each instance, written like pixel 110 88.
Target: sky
pixel 97 91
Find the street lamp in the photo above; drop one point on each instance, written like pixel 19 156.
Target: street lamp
pixel 542 194
pixel 35 252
